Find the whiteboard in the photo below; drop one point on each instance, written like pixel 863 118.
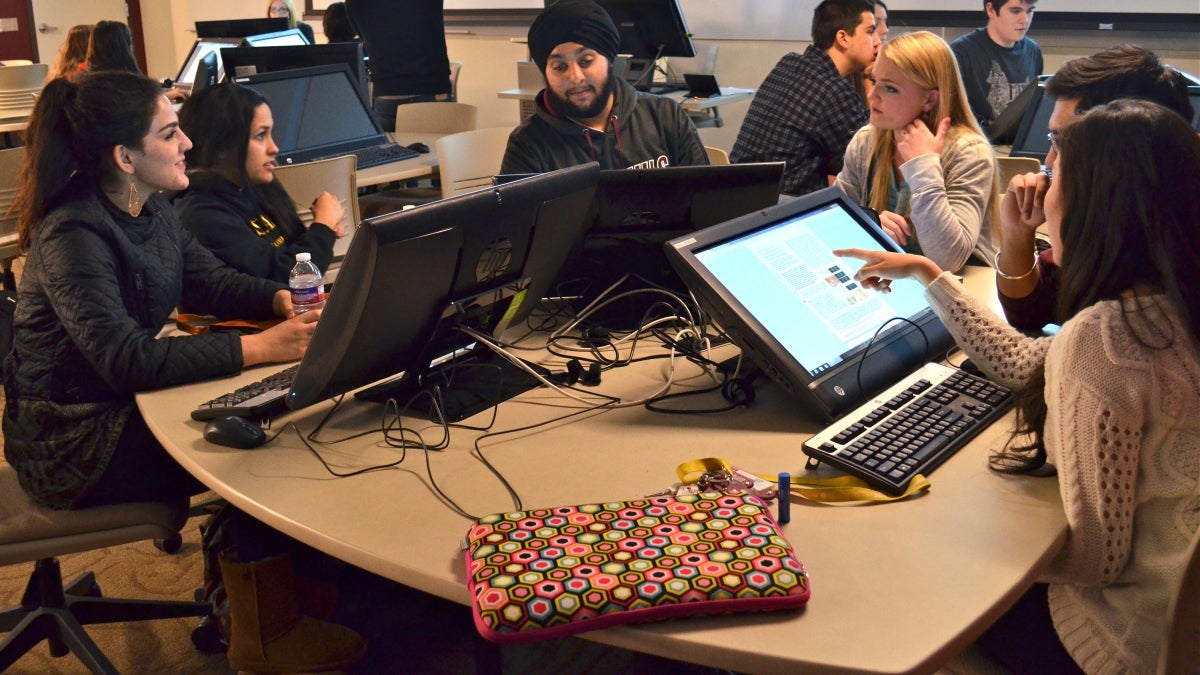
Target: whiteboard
pixel 750 19
pixel 1121 7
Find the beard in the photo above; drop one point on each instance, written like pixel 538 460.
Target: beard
pixel 566 108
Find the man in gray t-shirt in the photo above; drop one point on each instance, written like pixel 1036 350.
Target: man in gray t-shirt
pixel 998 60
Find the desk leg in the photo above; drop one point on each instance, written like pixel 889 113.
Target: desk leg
pixel 707 118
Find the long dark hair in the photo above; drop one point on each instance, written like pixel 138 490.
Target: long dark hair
pixel 111 48
pixel 71 134
pixel 218 120
pixel 1129 175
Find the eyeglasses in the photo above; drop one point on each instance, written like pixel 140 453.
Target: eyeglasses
pixel 1052 137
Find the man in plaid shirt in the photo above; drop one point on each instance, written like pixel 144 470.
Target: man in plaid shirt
pixel 806 110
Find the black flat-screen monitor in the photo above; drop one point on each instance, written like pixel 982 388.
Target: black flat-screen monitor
pixel 291 36
pixel 208 74
pixel 649 29
pixel 201 48
pixel 247 61
pixel 1004 128
pixel 239 28
pixel 1032 137
pixel 414 280
pixel 771 281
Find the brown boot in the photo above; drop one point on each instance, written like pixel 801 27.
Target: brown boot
pixel 268 635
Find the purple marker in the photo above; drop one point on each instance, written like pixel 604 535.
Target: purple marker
pixel 785 494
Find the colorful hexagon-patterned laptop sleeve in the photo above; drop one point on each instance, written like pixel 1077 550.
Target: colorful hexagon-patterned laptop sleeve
pixel 548 573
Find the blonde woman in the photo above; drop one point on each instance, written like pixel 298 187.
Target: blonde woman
pixel 286 9
pixel 922 162
pixel 72 55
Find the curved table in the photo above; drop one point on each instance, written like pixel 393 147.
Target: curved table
pixel 896 588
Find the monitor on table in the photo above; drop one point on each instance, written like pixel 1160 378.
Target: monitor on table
pixel 649 29
pixel 201 48
pixel 239 28
pixel 1031 139
pixel 246 61
pixel 771 281
pixel 415 281
pixel 1004 128
pixel 291 36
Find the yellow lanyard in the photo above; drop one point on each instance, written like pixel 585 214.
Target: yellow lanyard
pixel 716 473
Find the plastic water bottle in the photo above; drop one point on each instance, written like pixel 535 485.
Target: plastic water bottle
pixel 308 290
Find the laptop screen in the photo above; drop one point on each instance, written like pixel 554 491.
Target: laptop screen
pixel 318 112
pixel 201 48
pixel 772 281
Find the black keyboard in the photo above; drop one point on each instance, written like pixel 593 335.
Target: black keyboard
pixel 258 400
pixel 910 428
pixel 383 154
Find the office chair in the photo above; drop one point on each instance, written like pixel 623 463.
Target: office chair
pixel 470 159
pixel 55 612
pixel 1007 167
pixel 1181 654
pixel 716 156
pixel 436 117
pixel 19 84
pixel 10 163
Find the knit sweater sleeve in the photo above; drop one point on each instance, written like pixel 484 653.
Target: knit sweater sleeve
pixel 1004 354
pixel 852 179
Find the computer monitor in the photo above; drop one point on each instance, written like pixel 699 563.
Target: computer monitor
pixel 413 280
pixel 200 48
pixel 246 61
pixel 291 36
pixel 1031 139
pixel 208 73
pixel 649 29
pixel 1004 128
pixel 771 281
pixel 239 28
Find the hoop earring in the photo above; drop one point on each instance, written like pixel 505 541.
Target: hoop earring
pixel 134 204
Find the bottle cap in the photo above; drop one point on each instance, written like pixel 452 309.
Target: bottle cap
pixel 303 257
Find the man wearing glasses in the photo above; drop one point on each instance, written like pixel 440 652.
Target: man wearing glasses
pixel 1026 280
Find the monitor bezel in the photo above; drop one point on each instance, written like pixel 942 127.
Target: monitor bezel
pixel 901 346
pixel 1032 130
pixel 295 33
pixel 187 70
pixel 291 57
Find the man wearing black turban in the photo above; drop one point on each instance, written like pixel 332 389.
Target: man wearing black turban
pixel 587 114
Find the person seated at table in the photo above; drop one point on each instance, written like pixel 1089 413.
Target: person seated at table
pixel 286 9
pixel 1026 280
pixel 233 203
pixel 586 113
pixel 922 163
pixel 107 264
pixel 335 24
pixel 110 47
pixel 1112 401
pixel 72 55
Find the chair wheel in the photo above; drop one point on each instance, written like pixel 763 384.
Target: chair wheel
pixel 171 544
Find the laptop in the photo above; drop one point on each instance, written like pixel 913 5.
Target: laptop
pixel 771 280
pixel 194 62
pixel 701 86
pixel 320 113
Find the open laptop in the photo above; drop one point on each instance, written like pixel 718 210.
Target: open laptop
pixel 701 86
pixel 320 113
pixel 194 62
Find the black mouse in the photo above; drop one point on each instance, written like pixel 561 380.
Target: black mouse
pixel 419 147
pixel 234 432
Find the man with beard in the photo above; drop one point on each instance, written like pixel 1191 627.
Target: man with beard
pixel 585 113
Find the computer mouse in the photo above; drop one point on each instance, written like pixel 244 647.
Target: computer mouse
pixel 234 432
pixel 418 147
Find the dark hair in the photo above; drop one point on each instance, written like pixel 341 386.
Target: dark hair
pixel 1124 71
pixel 833 15
pixel 72 131
pixel 1145 161
pixel 997 7
pixel 217 120
pixel 72 52
pixel 111 48
pixel 335 23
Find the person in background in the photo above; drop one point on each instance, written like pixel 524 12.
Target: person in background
pixel 586 113
pixel 286 9
pixel 406 42
pixel 862 81
pixel 72 55
pixel 110 47
pixel 1112 401
pixel 233 204
pixel 1026 280
pixel 108 262
pixel 998 60
pixel 922 163
pixel 335 23
pixel 806 110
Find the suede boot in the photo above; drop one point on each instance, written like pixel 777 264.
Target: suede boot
pixel 268 634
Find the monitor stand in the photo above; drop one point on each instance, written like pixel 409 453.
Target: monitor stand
pixel 464 385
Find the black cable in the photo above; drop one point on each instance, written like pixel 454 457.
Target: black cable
pixel 858 372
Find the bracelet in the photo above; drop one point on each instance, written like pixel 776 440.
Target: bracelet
pixel 1011 277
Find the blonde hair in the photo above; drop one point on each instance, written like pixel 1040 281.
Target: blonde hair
pixel 927 59
pixel 71 54
pixel 293 17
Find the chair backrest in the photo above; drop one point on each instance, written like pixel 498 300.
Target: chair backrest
pixel 10 163
pixel 18 87
pixel 1014 166
pixel 455 69
pixel 716 155
pixel 1181 654
pixel 434 117
pixel 468 160
pixel 336 175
